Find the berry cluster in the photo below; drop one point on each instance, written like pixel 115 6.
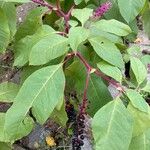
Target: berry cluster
pixel 77 141
pixel 71 113
pixel 100 11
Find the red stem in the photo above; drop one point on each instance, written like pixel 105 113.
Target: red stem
pixel 88 67
pixel 100 74
pixel 58 11
pixel 84 99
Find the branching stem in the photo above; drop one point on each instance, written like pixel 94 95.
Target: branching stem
pixel 57 10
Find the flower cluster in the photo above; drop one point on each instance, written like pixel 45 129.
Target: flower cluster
pixel 101 10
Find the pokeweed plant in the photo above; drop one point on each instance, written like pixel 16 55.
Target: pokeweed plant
pixel 78 46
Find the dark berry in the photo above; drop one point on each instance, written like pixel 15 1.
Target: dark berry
pixel 81 125
pixel 80 132
pixel 78 148
pixel 82 117
pixel 81 143
pixel 82 137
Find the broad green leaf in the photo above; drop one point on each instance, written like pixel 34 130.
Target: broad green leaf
pixel 4 31
pixel 5 146
pixel 41 91
pixel 141 120
pixel 134 51
pixel 110 70
pixel 146 88
pixel 10 12
pixel 31 24
pixel 97 94
pixel 137 100
pixel 22 130
pixel 77 2
pixel 73 23
pixel 59 115
pixel 107 51
pixel 112 127
pixel 24 46
pixel 2 121
pixel 137 66
pixel 82 14
pixel 77 35
pixel 145 60
pixel 146 21
pixel 141 142
pixel 129 9
pixel 8 91
pixel 48 48
pixel 112 37
pixel 113 26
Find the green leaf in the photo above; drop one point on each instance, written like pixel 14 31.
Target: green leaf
pixel 41 91
pixel 137 100
pixel 77 2
pixel 82 14
pixel 22 130
pixel 10 12
pixel 129 9
pixel 5 146
pixel 48 48
pixel 112 127
pixel 2 121
pixel 134 51
pixel 146 21
pixel 97 94
pixel 4 31
pixel 24 46
pixel 59 115
pixel 141 142
pixel 113 26
pixel 112 37
pixel 146 88
pixel 110 70
pixel 141 120
pixel 137 66
pixel 107 51
pixel 8 91
pixel 77 35
pixel 31 24
pixel 145 60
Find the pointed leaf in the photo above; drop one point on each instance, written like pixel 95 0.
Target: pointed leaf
pixel 22 130
pixel 10 12
pixel 98 94
pixel 110 70
pixel 113 26
pixel 41 91
pixel 137 66
pixel 137 100
pixel 107 51
pixel 77 35
pixel 4 31
pixel 141 120
pixel 31 24
pixel 141 142
pixel 24 46
pixel 48 48
pixel 8 91
pixel 112 127
pixel 129 9
pixel 82 14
